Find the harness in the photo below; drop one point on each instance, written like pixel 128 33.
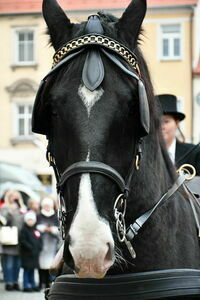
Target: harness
pixel 95 44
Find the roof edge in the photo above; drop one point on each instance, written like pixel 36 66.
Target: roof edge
pixel 172 6
pixel 185 6
pixel 66 10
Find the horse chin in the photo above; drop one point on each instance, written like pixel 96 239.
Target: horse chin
pixel 91 275
pixel 92 268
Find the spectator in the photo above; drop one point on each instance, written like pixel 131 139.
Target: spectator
pixel 179 152
pixel 34 205
pixel 30 246
pixel 12 210
pixel 48 226
pixel 2 199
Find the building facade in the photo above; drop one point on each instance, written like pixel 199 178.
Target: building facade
pixel 170 45
pixel 22 66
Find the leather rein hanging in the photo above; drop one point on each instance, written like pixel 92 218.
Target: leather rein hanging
pixel 111 49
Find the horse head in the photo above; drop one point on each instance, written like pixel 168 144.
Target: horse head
pixel 94 109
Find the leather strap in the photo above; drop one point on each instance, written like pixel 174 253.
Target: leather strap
pixel 92 167
pixel 94 25
pixel 119 64
pixel 93 70
pixel 133 229
pixel 143 102
pixel 192 200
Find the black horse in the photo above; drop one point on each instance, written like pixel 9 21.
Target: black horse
pixel 99 113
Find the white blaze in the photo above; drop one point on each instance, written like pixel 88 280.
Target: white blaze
pixel 90 234
pixel 88 97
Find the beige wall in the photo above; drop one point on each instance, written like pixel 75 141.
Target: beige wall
pixel 196 78
pixel 196 120
pixel 11 74
pixel 173 77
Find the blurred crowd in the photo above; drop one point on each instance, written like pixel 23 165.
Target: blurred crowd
pixel 33 244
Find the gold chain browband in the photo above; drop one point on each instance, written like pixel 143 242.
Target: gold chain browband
pixel 96 40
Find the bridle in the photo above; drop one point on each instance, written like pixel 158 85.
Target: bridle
pixel 96 43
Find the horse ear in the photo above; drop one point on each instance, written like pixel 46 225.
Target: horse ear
pixel 130 23
pixel 59 25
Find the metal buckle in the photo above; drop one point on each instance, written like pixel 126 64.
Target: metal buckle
pixel 121 227
pixel 185 169
pixel 62 219
pixel 119 213
pixel 137 160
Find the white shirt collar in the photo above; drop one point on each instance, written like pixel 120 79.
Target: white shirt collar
pixel 171 150
pixel 48 213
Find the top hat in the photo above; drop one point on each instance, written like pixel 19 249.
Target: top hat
pixel 168 105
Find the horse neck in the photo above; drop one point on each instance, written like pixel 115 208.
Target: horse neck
pixel 155 176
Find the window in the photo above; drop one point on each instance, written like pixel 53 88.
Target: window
pixel 171 42
pixel 22 93
pixel 23 120
pixel 24 47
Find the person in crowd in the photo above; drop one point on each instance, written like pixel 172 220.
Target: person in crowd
pixel 33 205
pixel 12 210
pixel 179 152
pixel 30 246
pixel 2 199
pixel 47 224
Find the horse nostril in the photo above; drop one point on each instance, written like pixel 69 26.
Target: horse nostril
pixel 110 257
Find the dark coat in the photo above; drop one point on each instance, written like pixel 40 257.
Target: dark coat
pixel 188 154
pixel 49 221
pixel 50 240
pixel 30 246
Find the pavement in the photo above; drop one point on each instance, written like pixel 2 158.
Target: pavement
pixel 18 295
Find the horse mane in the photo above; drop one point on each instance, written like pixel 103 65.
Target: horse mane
pixel 155 113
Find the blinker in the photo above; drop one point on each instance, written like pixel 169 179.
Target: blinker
pixel 143 109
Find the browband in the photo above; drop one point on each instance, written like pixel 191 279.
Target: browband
pixel 96 39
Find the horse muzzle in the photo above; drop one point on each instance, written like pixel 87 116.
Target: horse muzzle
pixel 95 267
